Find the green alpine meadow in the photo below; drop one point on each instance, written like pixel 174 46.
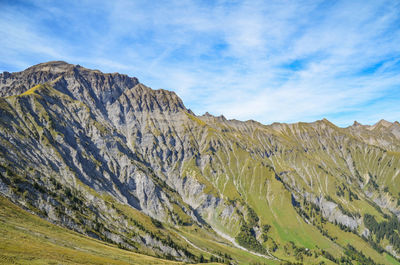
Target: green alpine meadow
pixel 98 168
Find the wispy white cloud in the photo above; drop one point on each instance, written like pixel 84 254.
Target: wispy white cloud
pixel 266 60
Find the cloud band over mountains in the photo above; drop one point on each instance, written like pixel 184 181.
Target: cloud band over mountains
pixel 269 61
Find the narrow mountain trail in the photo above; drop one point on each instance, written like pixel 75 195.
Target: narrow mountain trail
pixel 196 247
pixel 232 240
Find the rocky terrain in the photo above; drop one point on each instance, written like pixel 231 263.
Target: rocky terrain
pixel 106 156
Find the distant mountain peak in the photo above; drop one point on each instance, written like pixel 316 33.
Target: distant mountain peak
pixel 382 123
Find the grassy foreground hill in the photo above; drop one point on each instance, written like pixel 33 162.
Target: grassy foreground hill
pixel 28 239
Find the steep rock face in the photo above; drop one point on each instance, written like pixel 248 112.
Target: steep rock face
pixel 333 214
pixel 83 101
pixel 53 139
pixel 110 141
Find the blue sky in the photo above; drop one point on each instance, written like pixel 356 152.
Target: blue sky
pixel 271 61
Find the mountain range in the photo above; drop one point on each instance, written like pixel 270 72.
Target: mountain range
pixel 104 157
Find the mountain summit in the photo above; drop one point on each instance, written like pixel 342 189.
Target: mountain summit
pixel 108 157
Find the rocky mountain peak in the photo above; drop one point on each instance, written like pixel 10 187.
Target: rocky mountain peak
pixel 81 82
pixel 381 124
pixel 51 67
pixel 385 123
pixel 54 67
pixel 112 95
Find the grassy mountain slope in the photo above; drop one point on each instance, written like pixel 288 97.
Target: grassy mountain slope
pixel 297 166
pixel 27 239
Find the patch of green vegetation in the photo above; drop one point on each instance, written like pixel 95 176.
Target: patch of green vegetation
pixel 31 90
pixel 265 230
pixel 391 259
pixel 195 119
pixel 352 254
pixel 386 229
pixel 247 239
pixel 252 218
pixel 298 253
pixel 343 190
